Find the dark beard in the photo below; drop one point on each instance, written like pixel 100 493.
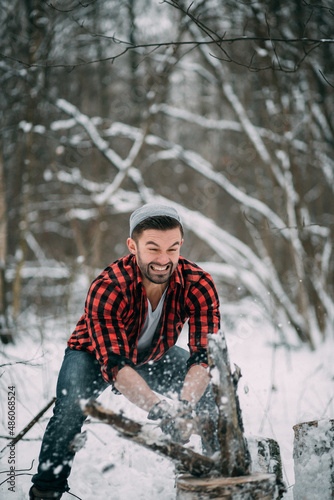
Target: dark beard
pixel 153 277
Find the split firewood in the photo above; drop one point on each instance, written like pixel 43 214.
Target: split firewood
pixel 193 462
pixel 235 458
pixel 253 486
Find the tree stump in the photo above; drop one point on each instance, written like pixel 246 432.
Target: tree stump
pixel 256 486
pixel 313 454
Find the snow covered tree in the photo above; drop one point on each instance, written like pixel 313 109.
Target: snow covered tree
pixel 237 135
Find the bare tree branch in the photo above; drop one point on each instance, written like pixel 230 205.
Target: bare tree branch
pixel 219 41
pixel 30 425
pixel 326 80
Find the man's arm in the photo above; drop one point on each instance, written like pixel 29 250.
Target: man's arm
pixel 135 389
pixel 195 383
pixel 204 319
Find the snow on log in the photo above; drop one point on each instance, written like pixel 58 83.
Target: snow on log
pixel 191 461
pixel 235 458
pixel 313 454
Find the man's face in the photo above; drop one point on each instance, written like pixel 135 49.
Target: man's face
pixel 157 253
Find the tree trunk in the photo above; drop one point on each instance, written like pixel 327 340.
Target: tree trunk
pixel 313 454
pixel 5 332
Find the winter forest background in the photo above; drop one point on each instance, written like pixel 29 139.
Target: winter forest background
pixel 222 109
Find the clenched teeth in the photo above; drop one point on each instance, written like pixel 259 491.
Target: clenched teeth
pixel 160 268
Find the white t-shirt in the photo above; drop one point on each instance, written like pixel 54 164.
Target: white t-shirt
pixel 150 325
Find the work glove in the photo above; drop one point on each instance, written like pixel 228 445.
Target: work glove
pixel 175 422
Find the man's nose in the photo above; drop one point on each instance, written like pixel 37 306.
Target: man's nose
pixel 163 259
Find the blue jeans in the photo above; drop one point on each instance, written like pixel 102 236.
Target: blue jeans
pixel 80 378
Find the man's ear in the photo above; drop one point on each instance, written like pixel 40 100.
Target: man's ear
pixel 132 246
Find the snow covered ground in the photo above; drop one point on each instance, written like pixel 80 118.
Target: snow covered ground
pixel 278 389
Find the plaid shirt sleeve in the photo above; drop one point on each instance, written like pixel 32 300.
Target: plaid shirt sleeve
pixel 204 318
pixel 103 311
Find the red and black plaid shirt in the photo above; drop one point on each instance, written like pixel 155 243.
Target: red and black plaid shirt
pixel 116 309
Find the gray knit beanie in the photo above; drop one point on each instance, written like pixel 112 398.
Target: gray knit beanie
pixel 152 210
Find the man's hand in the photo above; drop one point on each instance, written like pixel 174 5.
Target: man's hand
pixel 175 422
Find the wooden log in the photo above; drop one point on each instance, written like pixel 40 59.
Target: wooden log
pixel 235 458
pixel 313 453
pixel 256 486
pixel 191 461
